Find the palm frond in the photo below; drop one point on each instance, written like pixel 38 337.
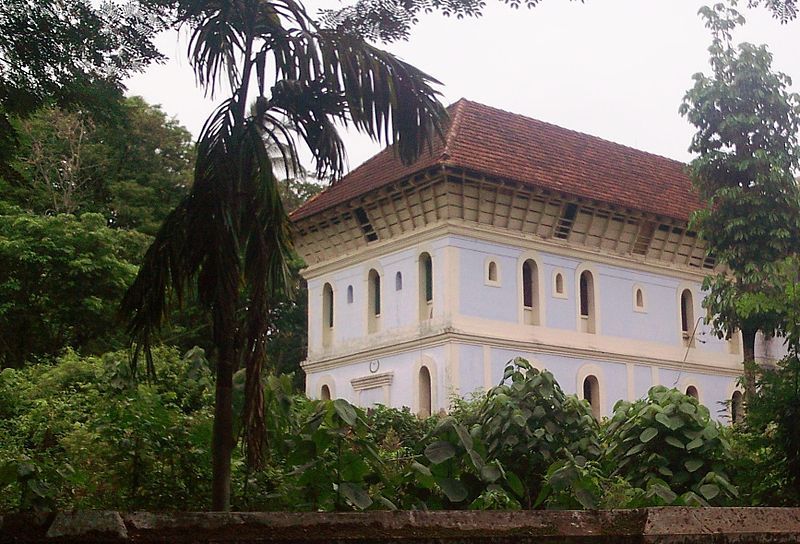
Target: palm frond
pixel 217 40
pixel 311 110
pixel 384 97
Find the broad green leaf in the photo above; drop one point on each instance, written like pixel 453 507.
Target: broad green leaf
pixel 648 434
pixel 422 469
pixel 356 495
pixel 664 492
pixel 694 444
pixel 693 464
pixel 439 452
pixel 346 411
pixel 515 484
pixel 490 473
pixel 709 491
pixel 672 441
pixel 453 489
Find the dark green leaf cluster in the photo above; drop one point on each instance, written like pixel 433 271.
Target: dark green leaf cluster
pixel 61 278
pixel 748 155
pixel 81 433
pixel 69 53
pixel 528 423
pixel 668 446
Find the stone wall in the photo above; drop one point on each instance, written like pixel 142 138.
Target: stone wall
pixel 655 525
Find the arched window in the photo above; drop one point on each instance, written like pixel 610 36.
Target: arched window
pixel 591 393
pixel 327 314
pixel 639 299
pixel 374 301
pixel 691 391
pixel 398 281
pixel 349 294
pixel 425 287
pixel 737 407
pixel 687 318
pixel 530 292
pixel 425 392
pixel 325 393
pixel 559 284
pixel 586 302
pixel 492 271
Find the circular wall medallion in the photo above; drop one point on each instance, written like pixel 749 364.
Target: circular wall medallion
pixel 374 366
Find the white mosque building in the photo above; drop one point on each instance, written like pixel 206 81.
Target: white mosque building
pixel 513 237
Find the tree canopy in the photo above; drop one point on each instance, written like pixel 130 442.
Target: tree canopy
pixel 747 158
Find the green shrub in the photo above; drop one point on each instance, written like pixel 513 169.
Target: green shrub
pixel 668 446
pixel 528 423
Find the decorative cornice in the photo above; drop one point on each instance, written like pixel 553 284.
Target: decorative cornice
pixel 373 381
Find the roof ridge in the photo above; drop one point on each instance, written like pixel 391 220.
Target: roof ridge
pixel 574 131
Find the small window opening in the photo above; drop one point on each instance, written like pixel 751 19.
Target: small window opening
pixel 591 393
pixel 559 284
pixel 586 302
pixel 366 226
pixel 687 318
pixel 349 294
pixel 584 296
pixel 530 292
pixel 398 282
pixel 639 299
pixel 492 271
pixel 644 238
pixel 327 314
pixel 325 393
pixel 425 287
pixel 565 222
pixel 374 300
pixel 691 391
pixel 425 393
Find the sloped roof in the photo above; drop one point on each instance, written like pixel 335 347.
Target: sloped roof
pixel 505 145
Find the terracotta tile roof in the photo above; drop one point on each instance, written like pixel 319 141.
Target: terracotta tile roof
pixel 505 145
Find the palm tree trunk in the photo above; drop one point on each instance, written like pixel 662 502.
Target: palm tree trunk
pixel 222 440
pixel 749 352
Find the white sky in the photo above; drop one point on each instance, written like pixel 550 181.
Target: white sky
pixel 617 69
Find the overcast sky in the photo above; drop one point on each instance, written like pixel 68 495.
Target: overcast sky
pixel 617 69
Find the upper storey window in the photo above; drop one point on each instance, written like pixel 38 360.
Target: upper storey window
pixel 398 281
pixel 374 301
pixel 586 302
pixel 492 273
pixel 425 287
pixel 530 292
pixel 687 318
pixel 327 314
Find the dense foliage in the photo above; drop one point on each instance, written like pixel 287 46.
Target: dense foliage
pixel 61 278
pixel 684 455
pixel 747 156
pixel 83 433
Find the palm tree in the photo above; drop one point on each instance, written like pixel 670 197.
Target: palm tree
pixel 229 240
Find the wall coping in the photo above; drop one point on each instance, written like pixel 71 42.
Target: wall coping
pixel 651 525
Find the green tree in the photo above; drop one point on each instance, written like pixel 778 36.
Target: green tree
pixel 60 281
pixel 69 52
pixel 230 236
pixel 747 148
pixel 133 167
pixel 149 166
